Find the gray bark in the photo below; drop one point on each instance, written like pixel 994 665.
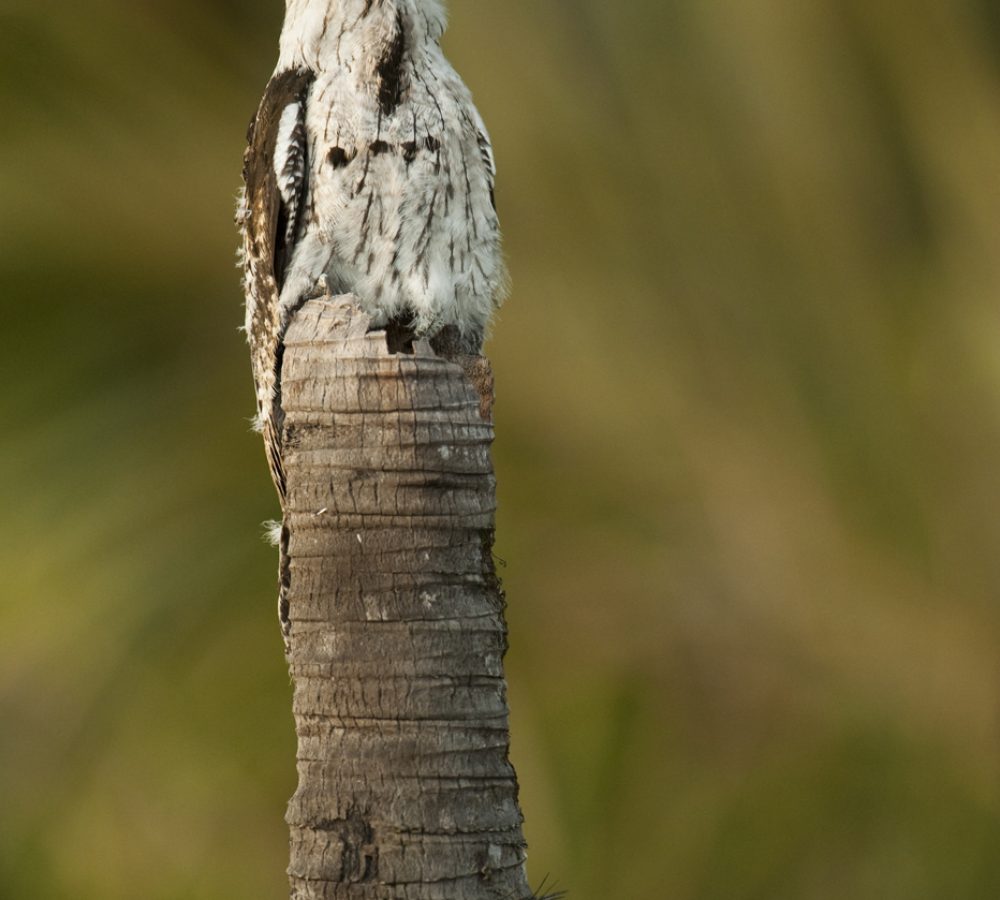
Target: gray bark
pixel 397 629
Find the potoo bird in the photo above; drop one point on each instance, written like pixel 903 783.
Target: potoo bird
pixel 368 171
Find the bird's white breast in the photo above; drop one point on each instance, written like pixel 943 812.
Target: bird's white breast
pixel 399 208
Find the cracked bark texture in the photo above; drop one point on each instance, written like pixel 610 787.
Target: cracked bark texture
pixel 397 627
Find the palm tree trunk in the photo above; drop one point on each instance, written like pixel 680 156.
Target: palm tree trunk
pixel 397 627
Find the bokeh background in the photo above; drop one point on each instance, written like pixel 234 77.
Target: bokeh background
pixel 748 445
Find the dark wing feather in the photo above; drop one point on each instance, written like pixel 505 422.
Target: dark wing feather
pixel 486 152
pixel 273 210
pixel 291 183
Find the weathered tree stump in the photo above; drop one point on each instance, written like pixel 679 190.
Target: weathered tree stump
pixel 397 621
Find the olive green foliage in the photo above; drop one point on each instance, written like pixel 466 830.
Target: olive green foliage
pixel 748 431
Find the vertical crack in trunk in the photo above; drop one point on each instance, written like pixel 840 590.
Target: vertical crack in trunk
pixel 397 632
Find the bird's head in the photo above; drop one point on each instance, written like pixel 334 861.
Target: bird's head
pixel 428 18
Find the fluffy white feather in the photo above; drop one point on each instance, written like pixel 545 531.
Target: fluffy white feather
pixel 400 208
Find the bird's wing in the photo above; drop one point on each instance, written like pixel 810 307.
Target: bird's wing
pixel 275 168
pixel 486 153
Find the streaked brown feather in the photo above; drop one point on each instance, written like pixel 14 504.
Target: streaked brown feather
pixel 268 252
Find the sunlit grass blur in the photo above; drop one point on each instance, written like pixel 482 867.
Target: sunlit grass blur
pixel 748 442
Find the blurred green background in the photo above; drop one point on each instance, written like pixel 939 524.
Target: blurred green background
pixel 748 446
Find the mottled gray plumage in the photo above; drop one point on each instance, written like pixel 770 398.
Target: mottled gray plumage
pixel 368 171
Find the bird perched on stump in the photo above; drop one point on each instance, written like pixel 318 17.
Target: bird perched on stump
pixel 368 171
